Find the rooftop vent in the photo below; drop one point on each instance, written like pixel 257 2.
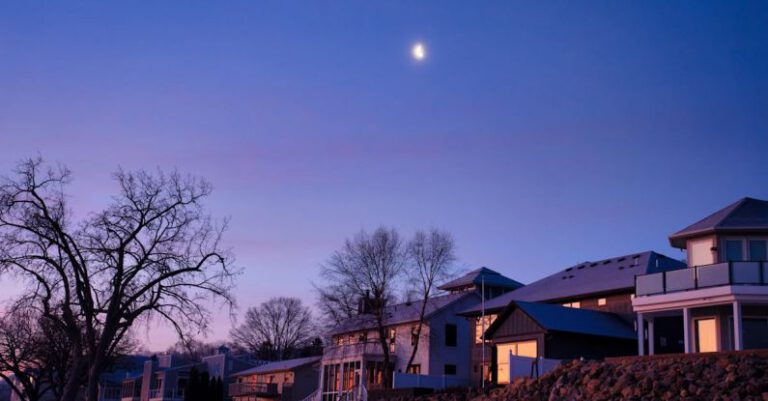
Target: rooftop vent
pixel 593 264
pixel 621 259
pixel 569 269
pixel 606 262
pixel 581 267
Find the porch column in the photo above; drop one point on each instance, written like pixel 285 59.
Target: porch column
pixel 738 335
pixel 651 341
pixel 687 330
pixel 640 334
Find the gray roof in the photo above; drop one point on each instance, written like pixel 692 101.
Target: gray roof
pixel 746 214
pixel 279 366
pixel 584 279
pixel 401 313
pixel 478 276
pixel 571 320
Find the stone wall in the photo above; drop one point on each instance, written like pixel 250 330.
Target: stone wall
pixel 719 377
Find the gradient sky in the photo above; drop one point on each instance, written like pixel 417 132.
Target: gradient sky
pixel 541 134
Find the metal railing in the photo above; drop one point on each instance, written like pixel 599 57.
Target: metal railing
pixel 167 394
pixel 245 388
pixel 707 276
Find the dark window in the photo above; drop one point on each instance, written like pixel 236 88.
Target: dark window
pixel 449 370
pixel 450 335
pixel 734 250
pixel 757 250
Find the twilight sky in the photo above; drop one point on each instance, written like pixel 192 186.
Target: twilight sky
pixel 541 135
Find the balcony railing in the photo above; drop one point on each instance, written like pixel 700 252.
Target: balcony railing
pixel 370 347
pixel 167 394
pixel 260 389
pixel 694 278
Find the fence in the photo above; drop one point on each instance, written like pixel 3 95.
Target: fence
pixel 409 380
pixel 523 366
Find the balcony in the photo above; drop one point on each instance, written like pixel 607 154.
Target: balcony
pixel 266 390
pixel 699 277
pixel 356 350
pixel 167 395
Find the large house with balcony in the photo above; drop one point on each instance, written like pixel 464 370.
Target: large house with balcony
pixel 720 302
pixel 288 380
pixel 353 363
pixel 165 377
pixel 582 311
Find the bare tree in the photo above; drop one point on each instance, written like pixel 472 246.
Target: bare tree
pixel 152 253
pixel 337 303
pixel 431 256
pixel 23 354
pixel 282 323
pixel 371 265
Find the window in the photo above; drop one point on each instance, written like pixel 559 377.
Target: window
pixel 414 369
pixel 489 319
pixel 450 335
pixel 706 335
pixel 757 250
pixel 734 250
pixel 602 302
pixel 392 335
pixel 755 332
pixel 575 304
pixel 521 348
pixel 449 370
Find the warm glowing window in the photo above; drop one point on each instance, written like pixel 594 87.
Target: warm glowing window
pixel 479 326
pixel 575 304
pixel 706 335
pixel 602 302
pixel 503 351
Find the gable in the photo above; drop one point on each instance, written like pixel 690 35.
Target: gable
pixel 514 323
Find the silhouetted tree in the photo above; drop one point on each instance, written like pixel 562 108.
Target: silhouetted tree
pixel 152 253
pixel 370 265
pixel 431 256
pixel 282 324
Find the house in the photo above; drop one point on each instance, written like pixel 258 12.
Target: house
pixel 354 360
pixel 165 377
pixel 720 301
pixel 289 380
pixel 110 382
pixel 582 311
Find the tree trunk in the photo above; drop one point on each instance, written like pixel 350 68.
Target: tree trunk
pixel 74 377
pixel 418 331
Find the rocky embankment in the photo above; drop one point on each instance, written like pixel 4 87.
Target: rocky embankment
pixel 736 376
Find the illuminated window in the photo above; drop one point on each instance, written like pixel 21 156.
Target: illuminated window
pixel 489 319
pixel 503 351
pixel 575 304
pixel 602 302
pixel 706 335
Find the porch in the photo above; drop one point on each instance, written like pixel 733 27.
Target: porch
pixel 711 308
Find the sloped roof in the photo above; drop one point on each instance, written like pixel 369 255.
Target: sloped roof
pixel 570 320
pixel 279 366
pixel 588 278
pixel 478 276
pixel 401 313
pixel 746 214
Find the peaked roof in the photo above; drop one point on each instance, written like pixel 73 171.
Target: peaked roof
pixel 401 313
pixel 279 366
pixel 746 214
pixel 478 276
pixel 584 279
pixel 572 320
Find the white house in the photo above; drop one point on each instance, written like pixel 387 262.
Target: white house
pixel 720 302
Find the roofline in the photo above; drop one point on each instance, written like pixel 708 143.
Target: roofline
pixel 246 373
pixel 712 230
pixel 426 316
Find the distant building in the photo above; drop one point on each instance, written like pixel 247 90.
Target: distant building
pixel 355 358
pixel 165 377
pixel 289 380
pixel 720 302
pixel 582 311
